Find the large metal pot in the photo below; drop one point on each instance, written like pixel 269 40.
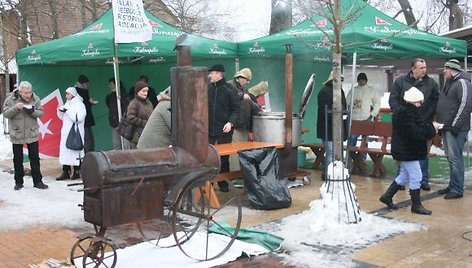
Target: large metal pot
pixel 270 127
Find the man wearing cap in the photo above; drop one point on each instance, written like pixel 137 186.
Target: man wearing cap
pixel 248 108
pixel 417 77
pixel 453 110
pixel 324 124
pixel 223 109
pixel 82 87
pixel 365 101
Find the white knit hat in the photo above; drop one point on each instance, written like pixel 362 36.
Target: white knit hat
pixel 413 95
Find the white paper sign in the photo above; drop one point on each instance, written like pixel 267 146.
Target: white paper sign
pixel 130 21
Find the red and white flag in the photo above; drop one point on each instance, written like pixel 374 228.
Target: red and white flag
pixel 130 22
pixel 50 125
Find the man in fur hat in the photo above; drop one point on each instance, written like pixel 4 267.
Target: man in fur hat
pixel 248 108
pixel 453 110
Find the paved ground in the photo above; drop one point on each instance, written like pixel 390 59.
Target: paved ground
pixel 440 245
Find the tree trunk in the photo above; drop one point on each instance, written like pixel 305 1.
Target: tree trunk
pixel 82 13
pixel 408 12
pixel 54 24
pixel 281 15
pixel 337 84
pixel 456 18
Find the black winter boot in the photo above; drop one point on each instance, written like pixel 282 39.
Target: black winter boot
pixel 416 206
pixel 76 175
pixel 65 173
pixel 386 198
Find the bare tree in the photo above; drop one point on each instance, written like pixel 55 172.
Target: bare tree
pixel 407 12
pixel 281 15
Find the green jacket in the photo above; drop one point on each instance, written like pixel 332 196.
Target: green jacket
pixel 23 126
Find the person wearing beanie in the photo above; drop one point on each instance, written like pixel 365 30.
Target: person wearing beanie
pixel 138 112
pixel 223 109
pixel 410 135
pixel 82 86
pixel 248 108
pixel 364 103
pixel 157 132
pixel 453 110
pixel 152 95
pixel 417 77
pixel 113 116
pixel 72 112
pixel 324 123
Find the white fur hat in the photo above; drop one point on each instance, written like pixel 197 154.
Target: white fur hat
pixel 72 91
pixel 413 95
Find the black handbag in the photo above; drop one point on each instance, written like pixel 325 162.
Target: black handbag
pixel 125 128
pixel 74 140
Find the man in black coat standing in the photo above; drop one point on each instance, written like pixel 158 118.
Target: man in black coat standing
pixel 82 86
pixel 418 78
pixel 223 109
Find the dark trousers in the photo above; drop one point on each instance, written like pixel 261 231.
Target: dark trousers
pixel 89 140
pixel 33 155
pixel 226 138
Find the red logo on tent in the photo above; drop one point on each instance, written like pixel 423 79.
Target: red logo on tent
pixel 154 24
pixel 50 125
pixel 96 27
pixel 256 44
pixel 215 45
pixel 144 43
pixel 380 21
pixel 321 23
pixel 33 52
pixel 90 46
pixel 448 44
pixel 384 40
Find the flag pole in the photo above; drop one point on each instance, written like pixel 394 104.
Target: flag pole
pixel 116 72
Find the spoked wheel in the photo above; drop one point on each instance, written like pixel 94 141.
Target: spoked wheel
pixel 193 219
pixel 157 232
pixel 94 251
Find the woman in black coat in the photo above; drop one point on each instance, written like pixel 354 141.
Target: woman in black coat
pixel 409 145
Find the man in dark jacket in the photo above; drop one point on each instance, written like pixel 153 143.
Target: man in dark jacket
pixel 418 78
pixel 82 87
pixel 113 118
pixel 248 108
pixel 325 119
pixel 453 110
pixel 223 109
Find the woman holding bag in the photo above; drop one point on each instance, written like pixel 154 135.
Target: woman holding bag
pixel 73 112
pixel 139 110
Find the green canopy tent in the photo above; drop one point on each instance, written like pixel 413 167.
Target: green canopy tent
pixel 57 64
pixel 370 36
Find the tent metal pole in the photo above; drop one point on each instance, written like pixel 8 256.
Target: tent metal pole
pixel 354 64
pixel 467 141
pixel 116 72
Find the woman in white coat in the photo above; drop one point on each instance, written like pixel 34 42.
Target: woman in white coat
pixel 72 112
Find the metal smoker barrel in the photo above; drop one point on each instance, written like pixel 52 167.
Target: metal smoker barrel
pixel 128 186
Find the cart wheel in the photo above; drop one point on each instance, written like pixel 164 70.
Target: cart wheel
pixel 157 232
pixel 193 218
pixel 95 252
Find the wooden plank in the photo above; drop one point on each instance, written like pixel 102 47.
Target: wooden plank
pixel 234 148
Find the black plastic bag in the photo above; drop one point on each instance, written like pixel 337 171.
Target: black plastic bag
pixel 265 186
pixel 74 140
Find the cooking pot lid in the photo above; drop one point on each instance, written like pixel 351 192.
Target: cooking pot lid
pixel 306 95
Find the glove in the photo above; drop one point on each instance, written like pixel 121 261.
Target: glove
pixel 29 110
pixel 454 130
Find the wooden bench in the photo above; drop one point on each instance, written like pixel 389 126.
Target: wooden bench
pixel 234 148
pixel 383 130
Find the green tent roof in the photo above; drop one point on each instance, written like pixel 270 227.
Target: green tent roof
pixel 372 34
pixel 94 45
